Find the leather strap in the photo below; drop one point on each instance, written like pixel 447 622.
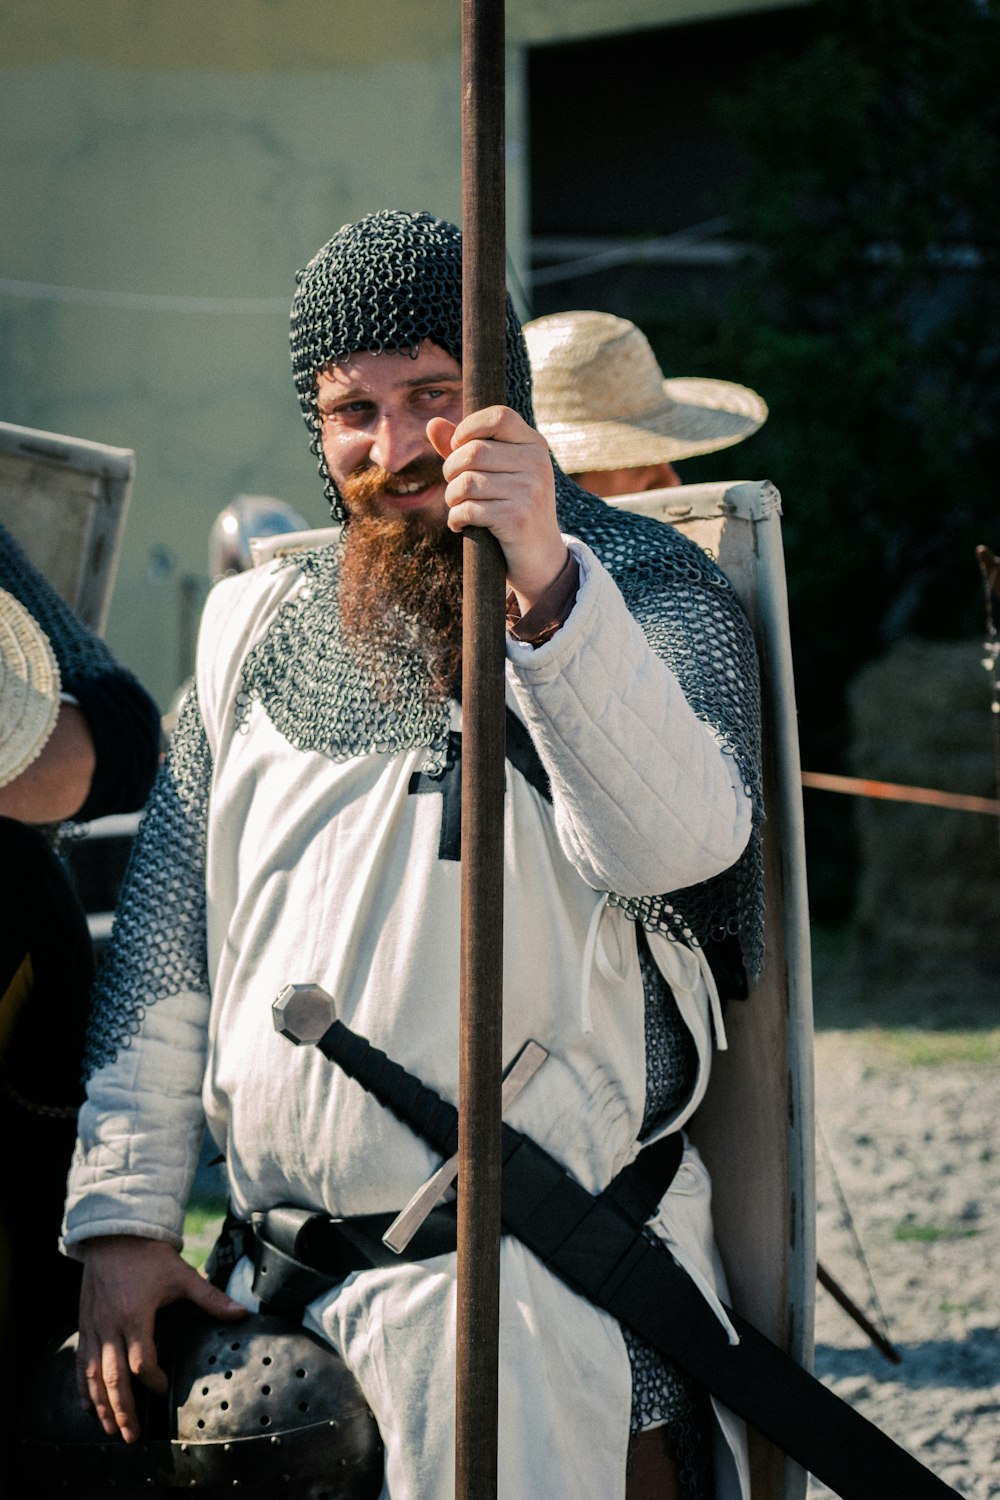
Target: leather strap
pixel 596 1247
pixel 298 1255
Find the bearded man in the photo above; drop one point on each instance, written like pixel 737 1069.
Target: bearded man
pixel 304 830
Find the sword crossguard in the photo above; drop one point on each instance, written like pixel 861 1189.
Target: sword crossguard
pixel 303 1013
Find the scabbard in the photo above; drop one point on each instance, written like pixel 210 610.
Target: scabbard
pixel 597 1245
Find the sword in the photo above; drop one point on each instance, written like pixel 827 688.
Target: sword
pixel 602 1252
pixel 406 1223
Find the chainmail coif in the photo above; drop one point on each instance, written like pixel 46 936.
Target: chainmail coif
pixel 386 283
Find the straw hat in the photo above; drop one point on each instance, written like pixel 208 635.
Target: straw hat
pixel 601 400
pixel 29 688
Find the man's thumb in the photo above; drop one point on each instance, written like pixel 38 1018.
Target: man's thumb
pixel 440 433
pixel 214 1301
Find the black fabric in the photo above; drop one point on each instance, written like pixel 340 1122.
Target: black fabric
pixel 592 1245
pixel 447 783
pixel 123 719
pixel 124 724
pixel 297 1255
pixel 40 1088
pixel 638 1188
pixel 521 752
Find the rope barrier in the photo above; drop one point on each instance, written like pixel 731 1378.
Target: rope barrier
pixel 859 786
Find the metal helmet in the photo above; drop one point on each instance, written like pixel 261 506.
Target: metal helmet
pixel 245 517
pixel 259 1407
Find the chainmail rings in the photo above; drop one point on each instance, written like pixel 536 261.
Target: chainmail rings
pixel 386 283
pixel 80 652
pixel 323 696
pixel 158 945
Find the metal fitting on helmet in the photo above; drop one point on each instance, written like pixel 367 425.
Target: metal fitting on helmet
pixel 245 517
pixel 260 1407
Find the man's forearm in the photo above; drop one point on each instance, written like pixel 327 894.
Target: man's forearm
pixel 56 784
pixel 646 800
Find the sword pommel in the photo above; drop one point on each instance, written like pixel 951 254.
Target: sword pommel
pixel 303 1013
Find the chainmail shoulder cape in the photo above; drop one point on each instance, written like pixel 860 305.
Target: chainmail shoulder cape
pixel 387 283
pixel 322 696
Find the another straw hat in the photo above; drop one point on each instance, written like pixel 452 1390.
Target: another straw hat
pixel 29 688
pixel 601 400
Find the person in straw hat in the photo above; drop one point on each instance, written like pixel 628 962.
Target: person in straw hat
pixel 613 422
pixel 29 690
pixel 79 737
pixel 103 748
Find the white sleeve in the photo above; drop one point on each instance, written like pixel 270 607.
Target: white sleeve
pixel 141 1125
pixel 646 799
pixel 140 1130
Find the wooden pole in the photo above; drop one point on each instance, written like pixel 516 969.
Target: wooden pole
pixel 837 1292
pixel 481 1016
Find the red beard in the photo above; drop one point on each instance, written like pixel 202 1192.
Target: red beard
pixel 401 576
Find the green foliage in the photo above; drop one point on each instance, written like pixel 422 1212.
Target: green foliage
pixel 930 1049
pixel 926 1234
pixel 868 315
pixel 202 1223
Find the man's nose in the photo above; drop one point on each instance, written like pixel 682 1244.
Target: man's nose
pixel 398 440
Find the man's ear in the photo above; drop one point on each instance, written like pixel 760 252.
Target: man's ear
pixel 439 434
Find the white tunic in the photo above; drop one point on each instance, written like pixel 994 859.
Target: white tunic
pixel 329 872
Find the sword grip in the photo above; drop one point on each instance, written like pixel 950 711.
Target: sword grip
pixel 411 1101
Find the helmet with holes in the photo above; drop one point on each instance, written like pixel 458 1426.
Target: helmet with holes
pixel 259 1407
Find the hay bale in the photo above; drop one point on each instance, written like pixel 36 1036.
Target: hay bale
pixel 929 890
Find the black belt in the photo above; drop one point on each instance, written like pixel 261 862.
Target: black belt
pixel 597 1245
pixel 298 1255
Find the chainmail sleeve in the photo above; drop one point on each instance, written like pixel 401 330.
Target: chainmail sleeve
pixel 694 622
pixel 158 942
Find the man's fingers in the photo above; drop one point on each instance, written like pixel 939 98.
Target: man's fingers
pixel 489 457
pixel 213 1301
pixel 145 1366
pixel 500 422
pixel 104 1384
pixel 119 1401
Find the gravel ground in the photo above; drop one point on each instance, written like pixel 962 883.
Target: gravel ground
pixel 908 1137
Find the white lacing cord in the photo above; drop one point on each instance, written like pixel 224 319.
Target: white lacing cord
pixel 715 1004
pixel 706 1289
pixel 590 953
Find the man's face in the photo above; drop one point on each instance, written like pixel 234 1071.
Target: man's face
pixel 374 410
pixel 610 482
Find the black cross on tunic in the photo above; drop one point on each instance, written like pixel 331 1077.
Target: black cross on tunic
pixel 521 753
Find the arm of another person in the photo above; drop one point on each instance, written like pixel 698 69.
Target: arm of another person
pixel 57 783
pixel 104 752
